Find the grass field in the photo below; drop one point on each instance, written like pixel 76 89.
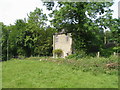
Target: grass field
pixel 30 73
pixel 0 75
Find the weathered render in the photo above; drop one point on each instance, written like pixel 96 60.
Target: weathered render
pixel 63 42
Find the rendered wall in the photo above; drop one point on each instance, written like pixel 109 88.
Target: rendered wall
pixel 64 42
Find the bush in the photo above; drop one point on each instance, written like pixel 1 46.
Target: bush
pixel 107 52
pixel 77 55
pixel 96 65
pixel 58 52
pixel 21 57
pixel 71 56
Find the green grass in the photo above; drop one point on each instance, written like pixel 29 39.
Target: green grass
pixel 0 75
pixel 46 74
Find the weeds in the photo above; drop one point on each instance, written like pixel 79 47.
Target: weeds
pixel 93 64
pixel 55 73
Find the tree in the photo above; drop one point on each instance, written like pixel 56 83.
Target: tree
pixel 20 28
pixel 80 19
pixel 4 41
pixel 29 37
pixel 35 32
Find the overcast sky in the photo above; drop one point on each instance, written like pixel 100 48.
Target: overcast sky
pixel 11 10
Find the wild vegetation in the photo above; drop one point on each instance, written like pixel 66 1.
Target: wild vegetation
pixel 27 48
pixel 58 52
pixel 91 24
pixel 88 23
pixel 46 72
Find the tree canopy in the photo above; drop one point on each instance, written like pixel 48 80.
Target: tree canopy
pixel 87 21
pixel 91 24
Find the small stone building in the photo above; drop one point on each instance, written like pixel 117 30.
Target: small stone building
pixel 64 42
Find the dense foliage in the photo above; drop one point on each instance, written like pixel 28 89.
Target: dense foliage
pixel 91 24
pixel 88 22
pixel 29 37
pixel 58 52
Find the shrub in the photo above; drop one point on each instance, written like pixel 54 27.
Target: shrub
pixel 58 52
pixel 106 52
pixel 77 55
pixel 71 56
pixel 96 65
pixel 21 57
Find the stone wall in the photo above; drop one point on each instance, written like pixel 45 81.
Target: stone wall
pixel 64 42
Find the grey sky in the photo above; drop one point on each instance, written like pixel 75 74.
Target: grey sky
pixel 18 9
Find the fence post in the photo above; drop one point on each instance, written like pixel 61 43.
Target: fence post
pixel 53 46
pixel 98 54
pixel 114 53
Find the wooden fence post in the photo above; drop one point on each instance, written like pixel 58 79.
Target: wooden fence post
pixel 114 53
pixel 98 54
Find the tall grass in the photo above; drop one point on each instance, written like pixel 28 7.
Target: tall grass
pixel 0 75
pixel 97 65
pixel 37 72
